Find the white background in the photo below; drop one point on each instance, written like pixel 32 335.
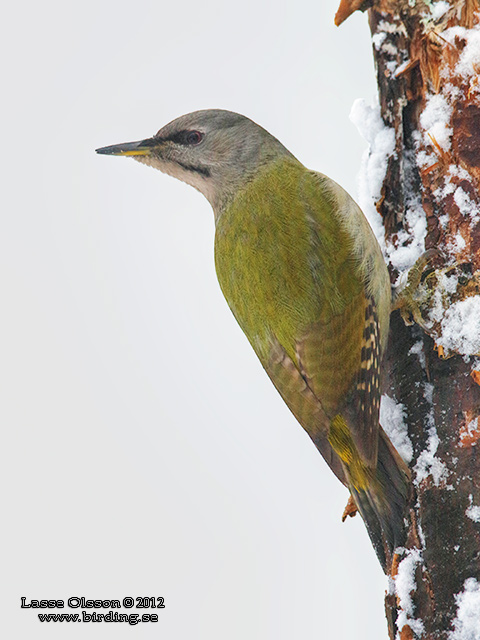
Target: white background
pixel 144 451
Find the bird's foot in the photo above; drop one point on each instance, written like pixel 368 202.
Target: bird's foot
pixel 412 296
pixel 350 510
pixel 430 291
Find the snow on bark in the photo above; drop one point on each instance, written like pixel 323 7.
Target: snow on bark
pixel 467 621
pixel 392 419
pixel 381 145
pixel 473 512
pixel 427 463
pixel 461 327
pixel 404 585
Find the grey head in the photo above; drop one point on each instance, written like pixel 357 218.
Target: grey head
pixel 213 150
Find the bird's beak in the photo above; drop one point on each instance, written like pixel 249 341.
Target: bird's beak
pixel 141 148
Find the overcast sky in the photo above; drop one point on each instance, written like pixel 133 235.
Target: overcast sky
pixel 145 452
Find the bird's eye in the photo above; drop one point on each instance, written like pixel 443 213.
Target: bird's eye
pixel 193 137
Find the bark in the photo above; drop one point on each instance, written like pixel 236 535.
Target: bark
pixel 438 170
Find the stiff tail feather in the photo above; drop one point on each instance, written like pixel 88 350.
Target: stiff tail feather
pixel 383 501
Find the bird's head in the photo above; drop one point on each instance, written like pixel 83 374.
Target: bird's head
pixel 215 151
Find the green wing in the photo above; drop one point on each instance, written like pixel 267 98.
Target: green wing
pixel 303 403
pixel 338 357
pixel 287 267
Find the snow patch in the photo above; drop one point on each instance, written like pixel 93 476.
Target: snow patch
pixel 446 287
pixel 439 9
pixel 470 56
pixel 468 434
pixel 401 68
pixel 391 27
pixel 449 186
pixel 448 282
pixel 421 535
pixel 457 243
pixel 381 141
pixel 466 625
pixel 410 240
pixel 466 205
pixel 460 327
pixel 473 512
pixel 392 419
pixel 435 119
pixel 469 60
pixel 378 39
pixel 417 350
pixel 404 586
pixel 427 464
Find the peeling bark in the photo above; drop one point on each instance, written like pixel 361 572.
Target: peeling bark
pixel 417 60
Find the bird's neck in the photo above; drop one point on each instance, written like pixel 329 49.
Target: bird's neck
pixel 233 186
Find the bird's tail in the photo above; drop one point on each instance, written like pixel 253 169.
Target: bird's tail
pixel 381 490
pixel 383 501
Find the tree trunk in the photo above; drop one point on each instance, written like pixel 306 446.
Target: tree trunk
pixel 428 62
